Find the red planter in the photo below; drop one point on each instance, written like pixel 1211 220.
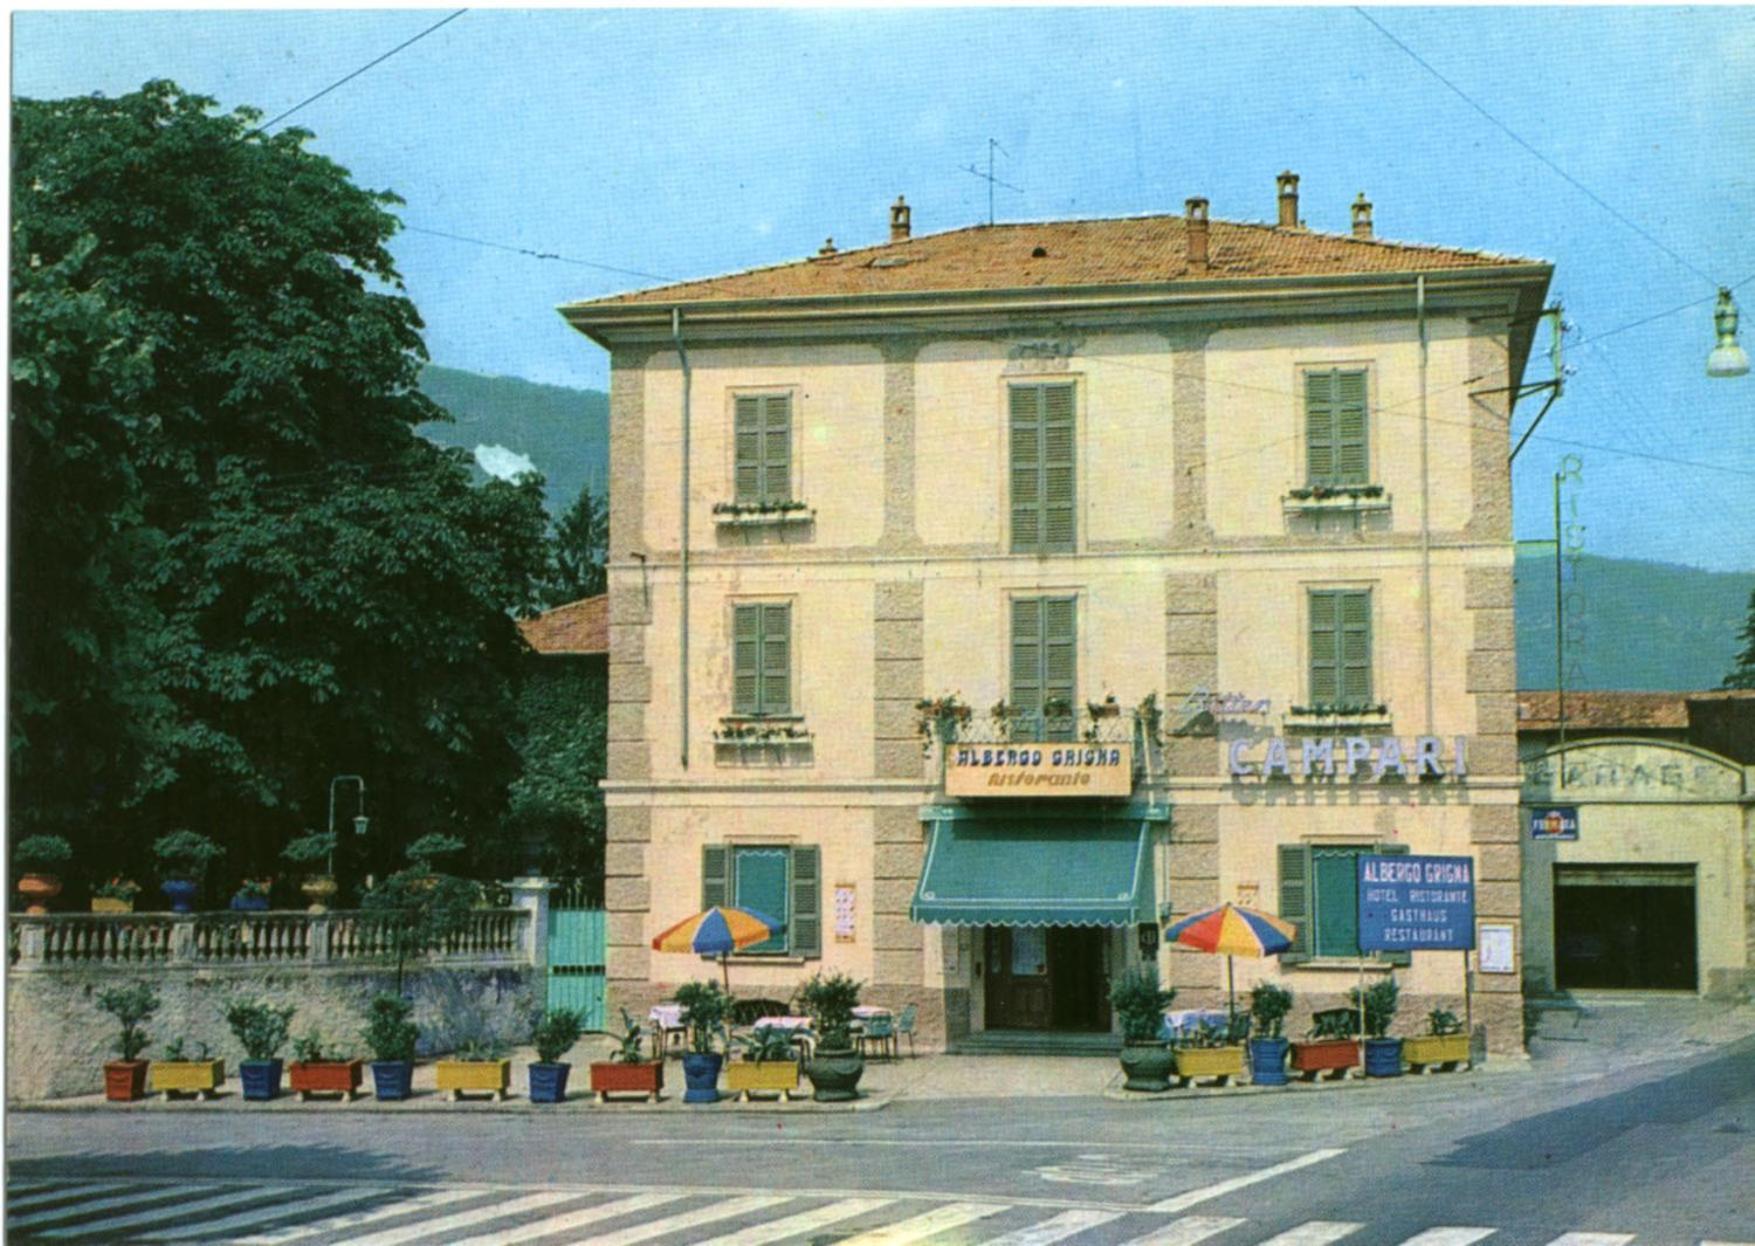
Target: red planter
pixel 37 889
pixel 1313 1059
pixel 612 1078
pixel 125 1080
pixel 340 1077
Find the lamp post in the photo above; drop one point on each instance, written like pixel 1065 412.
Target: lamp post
pixel 360 821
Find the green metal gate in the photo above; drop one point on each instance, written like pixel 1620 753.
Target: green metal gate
pixel 576 941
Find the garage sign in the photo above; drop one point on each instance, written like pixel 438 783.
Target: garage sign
pixel 1413 904
pixel 1554 822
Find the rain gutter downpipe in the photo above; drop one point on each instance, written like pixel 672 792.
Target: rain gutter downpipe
pixel 683 571
pixel 1425 495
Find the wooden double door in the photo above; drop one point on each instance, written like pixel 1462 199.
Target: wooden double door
pixel 1047 978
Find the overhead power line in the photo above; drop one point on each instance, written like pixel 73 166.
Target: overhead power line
pixel 539 255
pixel 362 69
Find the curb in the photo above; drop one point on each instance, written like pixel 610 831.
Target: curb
pixel 432 1102
pixel 1116 1094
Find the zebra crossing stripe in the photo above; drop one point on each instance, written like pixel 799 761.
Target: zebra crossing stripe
pixel 1592 1239
pixel 174 1211
pixel 576 1219
pixel 925 1225
pixel 358 1219
pixel 438 1229
pixel 1187 1199
pixel 1449 1235
pixel 281 1210
pixel 1060 1227
pixel 33 1184
pixel 133 1199
pixel 689 1219
pixel 803 1222
pixel 1188 1230
pixel 64 1192
pixel 1315 1233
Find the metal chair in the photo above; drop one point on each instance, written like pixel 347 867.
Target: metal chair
pixel 880 1030
pixel 905 1025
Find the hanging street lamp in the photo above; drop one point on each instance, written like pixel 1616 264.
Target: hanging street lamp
pixel 1727 358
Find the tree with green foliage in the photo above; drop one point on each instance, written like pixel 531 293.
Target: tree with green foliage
pixel 1742 675
pixel 579 551
pixel 238 571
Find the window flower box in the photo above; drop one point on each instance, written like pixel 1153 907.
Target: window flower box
pixel 756 514
pixel 1331 499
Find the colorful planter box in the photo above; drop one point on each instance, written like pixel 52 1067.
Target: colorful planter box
pixel 614 1078
pixel 1220 1063
pixel 1335 1055
pixel 196 1077
pixel 110 904
pixel 1436 1050
pixel 317 1077
pixel 125 1080
pixel 489 1076
pixel 744 1076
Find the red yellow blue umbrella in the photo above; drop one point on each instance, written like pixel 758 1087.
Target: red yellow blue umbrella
pixel 1233 931
pixel 719 931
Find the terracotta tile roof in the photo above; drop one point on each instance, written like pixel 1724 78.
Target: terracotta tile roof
pixel 579 627
pixel 1124 251
pixel 1539 711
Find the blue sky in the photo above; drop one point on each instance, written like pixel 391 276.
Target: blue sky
pixel 683 143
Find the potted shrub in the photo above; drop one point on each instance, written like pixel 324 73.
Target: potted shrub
pixel 1139 1003
pixel 1214 1051
pixel 1383 1054
pixel 1444 1045
pixel 261 1031
pixel 132 1006
pixel 705 1006
pixel 480 1064
pixel 314 852
pixel 183 858
pixel 317 1070
pixel 770 1062
pixel 1268 1006
pixel 199 1074
pixel 1331 1047
pixel 37 858
pixel 553 1037
pixel 252 896
pixel 391 1037
pixel 836 1066
pixel 115 896
pixel 627 1071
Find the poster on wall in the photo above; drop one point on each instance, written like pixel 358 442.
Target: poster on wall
pixel 844 912
pixel 1498 949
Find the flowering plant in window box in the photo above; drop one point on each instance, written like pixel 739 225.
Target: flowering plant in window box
pixel 756 731
pixel 941 717
pixel 1322 493
pixel 1341 709
pixel 766 506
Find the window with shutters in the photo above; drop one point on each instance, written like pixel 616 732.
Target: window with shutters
pixel 1045 658
pixel 781 882
pixel 1340 652
pixel 1043 467
pixel 761 642
pixel 761 462
pixel 1319 895
pixel 1336 452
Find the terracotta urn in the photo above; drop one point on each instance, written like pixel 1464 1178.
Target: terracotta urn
pixel 37 888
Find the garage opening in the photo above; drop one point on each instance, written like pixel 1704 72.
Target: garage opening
pixel 1625 927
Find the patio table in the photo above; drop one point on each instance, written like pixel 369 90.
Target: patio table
pixel 799 1027
pixel 667 1019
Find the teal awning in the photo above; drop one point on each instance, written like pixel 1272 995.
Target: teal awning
pixel 1056 872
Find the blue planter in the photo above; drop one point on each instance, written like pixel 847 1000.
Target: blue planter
pixel 548 1083
pixel 180 892
pixel 701 1074
pixel 1383 1057
pixel 392 1079
pixel 1267 1061
pixel 249 904
pixel 261 1078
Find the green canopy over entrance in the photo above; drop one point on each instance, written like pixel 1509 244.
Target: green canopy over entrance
pixel 1023 872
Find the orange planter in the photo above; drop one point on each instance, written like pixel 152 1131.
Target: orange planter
pixel 36 888
pixel 612 1078
pixel 125 1080
pixel 1314 1059
pixel 340 1077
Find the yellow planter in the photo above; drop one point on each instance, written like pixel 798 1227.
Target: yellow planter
pixel 110 904
pixel 491 1076
pixel 743 1076
pixel 1435 1049
pixel 1222 1063
pixel 200 1077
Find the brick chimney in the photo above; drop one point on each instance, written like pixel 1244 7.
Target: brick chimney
pixel 901 222
pixel 1196 229
pixel 1361 216
pixel 1288 200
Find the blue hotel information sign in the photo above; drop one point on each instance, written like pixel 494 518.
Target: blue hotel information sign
pixel 1416 904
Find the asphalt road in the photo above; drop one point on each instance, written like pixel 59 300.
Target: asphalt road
pixel 1666 1155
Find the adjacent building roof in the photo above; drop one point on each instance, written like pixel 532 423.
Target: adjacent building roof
pixel 1633 711
pixel 579 627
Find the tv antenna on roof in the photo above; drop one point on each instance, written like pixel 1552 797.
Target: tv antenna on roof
pixel 992 181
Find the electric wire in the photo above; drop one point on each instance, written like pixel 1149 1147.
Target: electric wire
pixel 339 82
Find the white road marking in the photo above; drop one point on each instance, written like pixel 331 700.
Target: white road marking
pixel 1314 1233
pixel 437 1229
pixel 278 1211
pixel 803 1222
pixel 1180 1202
pixel 133 1199
pixel 1449 1235
pixel 66 1191
pixel 1592 1239
pixel 925 1225
pixel 577 1219
pixel 357 1219
pixel 688 1220
pixel 172 1212
pixel 1062 1226
pixel 1188 1230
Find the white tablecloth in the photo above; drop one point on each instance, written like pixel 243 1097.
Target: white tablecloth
pixel 1181 1022
pixel 782 1023
pixel 866 1012
pixel 667 1016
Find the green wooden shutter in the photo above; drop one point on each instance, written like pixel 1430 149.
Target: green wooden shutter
pixel 747 432
pixel 1059 467
pixel 1334 874
pixel 1295 900
pixel 776 689
pixel 1351 458
pixel 1027 664
pixel 1026 467
pixel 1325 640
pixel 1355 648
pixel 1060 663
pixel 1320 432
pixel 807 902
pixel 746 659
pixel 1394 958
pixel 713 882
pixel 777 448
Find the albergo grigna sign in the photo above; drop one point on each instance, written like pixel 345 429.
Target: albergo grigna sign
pixel 1352 756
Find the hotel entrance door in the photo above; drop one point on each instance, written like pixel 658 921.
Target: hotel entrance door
pixel 1047 978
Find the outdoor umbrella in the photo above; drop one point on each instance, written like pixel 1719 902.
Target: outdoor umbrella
pixel 719 931
pixel 1233 931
